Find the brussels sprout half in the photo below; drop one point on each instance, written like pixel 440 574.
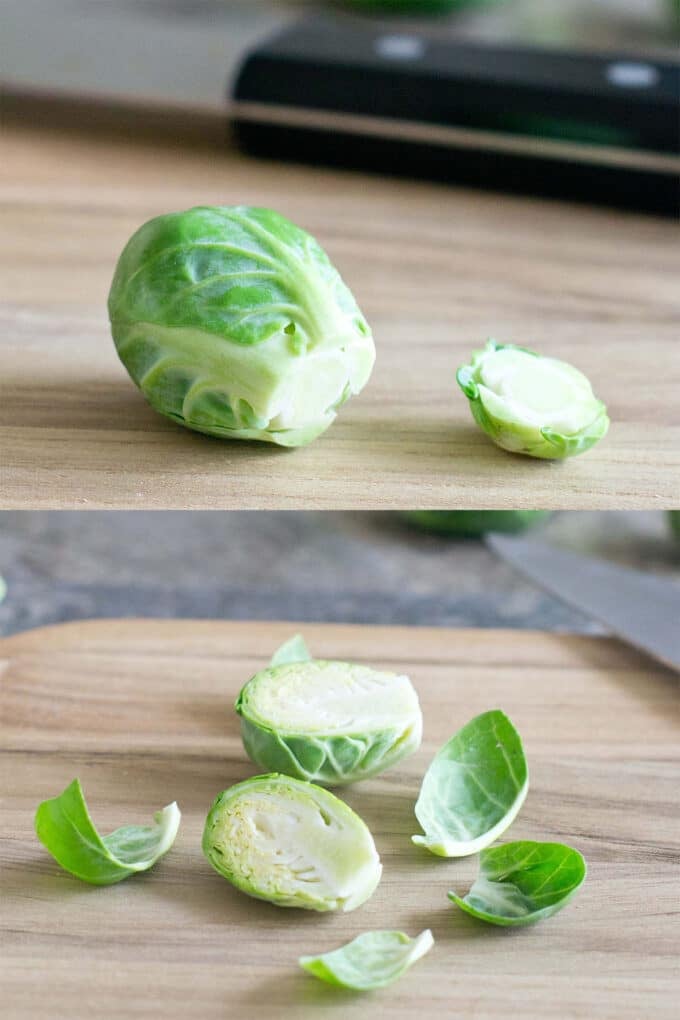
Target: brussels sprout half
pixel 233 322
pixel 328 722
pixel 291 843
pixel 533 405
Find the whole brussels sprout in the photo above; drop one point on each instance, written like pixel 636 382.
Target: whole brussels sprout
pixel 329 722
pixel 533 405
pixel 291 843
pixel 233 322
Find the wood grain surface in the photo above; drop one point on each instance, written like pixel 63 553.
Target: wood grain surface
pixel 142 712
pixel 436 270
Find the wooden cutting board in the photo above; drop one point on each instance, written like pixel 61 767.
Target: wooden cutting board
pixel 436 270
pixel 142 712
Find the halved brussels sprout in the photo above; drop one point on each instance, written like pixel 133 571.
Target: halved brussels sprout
pixel 233 322
pixel 328 722
pixel 533 405
pixel 291 843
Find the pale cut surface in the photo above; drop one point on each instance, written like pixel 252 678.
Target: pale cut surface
pixel 331 697
pixel 137 709
pixel 537 391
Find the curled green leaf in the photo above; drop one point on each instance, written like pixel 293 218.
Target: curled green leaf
pixel 291 843
pixel 328 722
pixel 533 405
pixel 371 960
pixel 520 883
pixel 64 827
pixel 474 787
pixel 232 321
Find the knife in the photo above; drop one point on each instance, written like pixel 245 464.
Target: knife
pixel 639 608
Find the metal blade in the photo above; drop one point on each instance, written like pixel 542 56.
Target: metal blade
pixel 639 608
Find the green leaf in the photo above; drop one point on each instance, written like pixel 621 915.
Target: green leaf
pixel 533 405
pixel 372 960
pixel 328 722
pixel 474 787
pixel 64 827
pixel 291 843
pixel 292 650
pixel 520 883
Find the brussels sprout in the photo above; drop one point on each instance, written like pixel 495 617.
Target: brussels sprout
pixel 372 960
pixel 233 322
pixel 474 787
pixel 291 843
pixel 64 826
pixel 328 722
pixel 533 405
pixel 520 883
pixel 473 523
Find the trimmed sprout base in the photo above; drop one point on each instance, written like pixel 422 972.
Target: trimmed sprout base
pixel 372 960
pixel 233 322
pixel 291 843
pixel 329 722
pixel 533 405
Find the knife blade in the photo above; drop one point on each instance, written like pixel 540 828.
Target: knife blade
pixel 639 608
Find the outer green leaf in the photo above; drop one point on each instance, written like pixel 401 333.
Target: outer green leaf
pixel 372 960
pixel 674 518
pixel 527 404
pixel 232 321
pixel 293 650
pixel 472 523
pixel 474 787
pixel 291 843
pixel 520 883
pixel 328 722
pixel 64 826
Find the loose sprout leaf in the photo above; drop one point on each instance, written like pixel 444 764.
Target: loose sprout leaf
pixel 292 650
pixel 64 826
pixel 530 404
pixel 328 722
pixel 520 883
pixel 372 960
pixel 473 788
pixel 291 843
pixel 232 321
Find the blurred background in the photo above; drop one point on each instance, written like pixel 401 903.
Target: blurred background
pixel 184 51
pixel 334 567
pixel 445 78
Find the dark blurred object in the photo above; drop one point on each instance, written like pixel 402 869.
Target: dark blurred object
pixel 408 6
pixel 354 92
pixel 474 523
pixel 674 518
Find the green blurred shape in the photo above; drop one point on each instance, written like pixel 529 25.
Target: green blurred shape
pixel 674 518
pixel 473 523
